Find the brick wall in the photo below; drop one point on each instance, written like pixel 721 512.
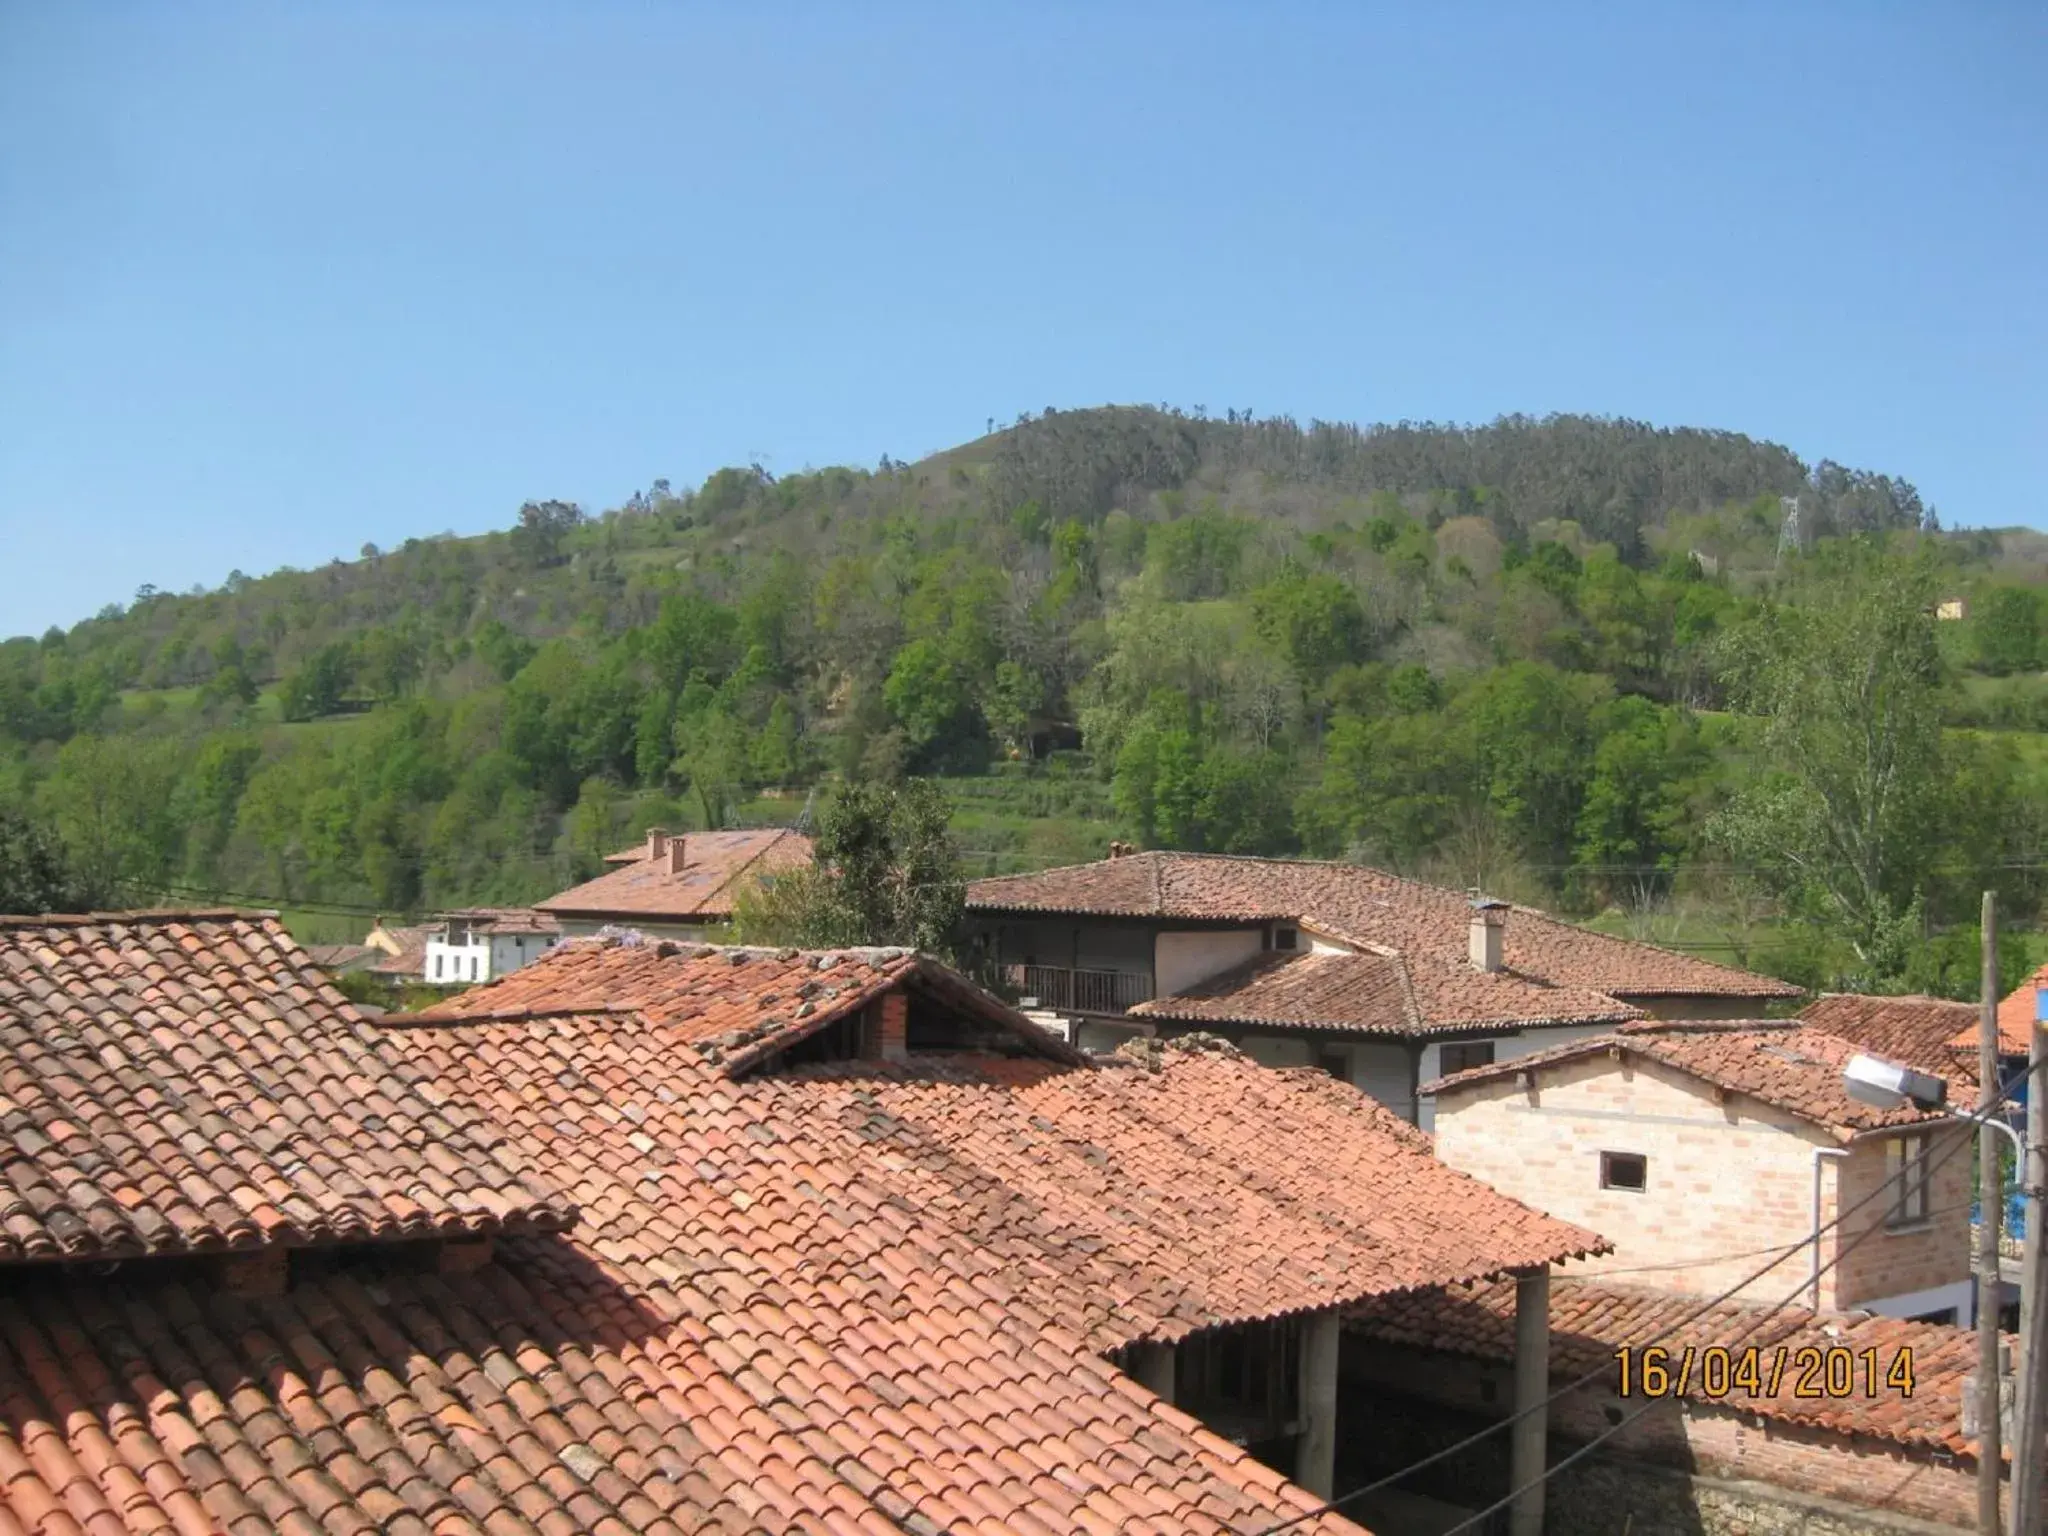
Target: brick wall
pixel 1724 1179
pixel 1877 1262
pixel 1694 1439
pixel 892 1026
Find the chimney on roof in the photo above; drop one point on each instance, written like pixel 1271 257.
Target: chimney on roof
pixel 1489 933
pixel 657 842
pixel 678 853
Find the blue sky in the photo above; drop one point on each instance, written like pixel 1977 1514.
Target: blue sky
pixel 276 281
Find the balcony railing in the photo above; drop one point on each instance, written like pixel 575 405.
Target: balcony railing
pixel 1075 991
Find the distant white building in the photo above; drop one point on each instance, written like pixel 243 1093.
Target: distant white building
pixel 478 943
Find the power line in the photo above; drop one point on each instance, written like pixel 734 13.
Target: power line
pixel 1335 1506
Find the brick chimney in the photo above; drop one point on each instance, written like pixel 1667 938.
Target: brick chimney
pixel 678 853
pixel 657 842
pixel 1488 933
pixel 885 1031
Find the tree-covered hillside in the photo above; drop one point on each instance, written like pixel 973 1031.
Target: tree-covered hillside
pixel 1502 655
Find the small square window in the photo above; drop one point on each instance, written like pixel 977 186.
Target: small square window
pixel 1337 1064
pixel 1286 938
pixel 1464 1057
pixel 1624 1170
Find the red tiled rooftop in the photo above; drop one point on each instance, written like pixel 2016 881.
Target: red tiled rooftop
pixel 850 1296
pixel 1787 1065
pixel 541 1394
pixel 1368 906
pixel 733 1006
pixel 2018 1015
pixel 1921 1032
pixel 1153 1202
pixel 715 867
pixel 191 1081
pixel 501 920
pixel 1590 1320
pixel 1373 993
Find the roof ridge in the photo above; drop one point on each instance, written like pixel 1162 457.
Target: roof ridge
pixel 137 915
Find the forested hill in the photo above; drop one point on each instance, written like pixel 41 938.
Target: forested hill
pixel 1492 652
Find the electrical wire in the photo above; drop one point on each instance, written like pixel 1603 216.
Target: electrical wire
pixel 1335 1506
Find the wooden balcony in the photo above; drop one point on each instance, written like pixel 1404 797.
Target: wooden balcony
pixel 1067 990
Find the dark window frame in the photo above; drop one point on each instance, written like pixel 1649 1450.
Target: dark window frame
pixel 1613 1164
pixel 1482 1052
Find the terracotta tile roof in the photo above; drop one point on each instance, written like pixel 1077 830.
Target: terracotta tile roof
pixel 340 957
pixel 539 1394
pixel 410 961
pixel 733 1007
pixel 1782 1063
pixel 1918 1031
pixel 715 867
pixel 191 1081
pixel 1369 906
pixel 844 1298
pixel 1380 993
pixel 504 920
pixel 1589 1321
pixel 1149 1202
pixel 2018 1013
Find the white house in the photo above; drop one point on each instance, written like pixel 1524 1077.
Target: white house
pixel 478 943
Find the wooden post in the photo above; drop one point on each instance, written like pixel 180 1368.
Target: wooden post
pixel 1528 1452
pixel 1315 1451
pixel 1990 1203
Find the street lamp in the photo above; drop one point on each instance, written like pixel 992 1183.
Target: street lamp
pixel 1887 1085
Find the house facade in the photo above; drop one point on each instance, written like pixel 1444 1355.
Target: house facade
pixel 1385 982
pixel 1706 1151
pixel 478 944
pixel 677 885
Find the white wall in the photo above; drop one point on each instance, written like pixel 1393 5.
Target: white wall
pixel 1182 959
pixel 1379 1069
pixel 456 963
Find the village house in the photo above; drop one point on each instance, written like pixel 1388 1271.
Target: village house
pixel 1385 982
pixel 854 1247
pixel 1702 1149
pixel 476 944
pixel 401 951
pixel 677 886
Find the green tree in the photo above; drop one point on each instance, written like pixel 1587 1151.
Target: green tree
pixel 2006 630
pixel 319 685
pixel 928 697
pixel 886 871
pixel 1845 813
pixel 714 763
pixel 35 875
pixel 113 802
pixel 1635 822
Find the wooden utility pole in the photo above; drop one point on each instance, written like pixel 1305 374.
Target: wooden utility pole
pixel 1990 1206
pixel 2030 1449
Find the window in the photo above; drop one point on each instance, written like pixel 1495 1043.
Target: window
pixel 1286 938
pixel 1905 1174
pixel 1464 1057
pixel 1624 1170
pixel 1336 1063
